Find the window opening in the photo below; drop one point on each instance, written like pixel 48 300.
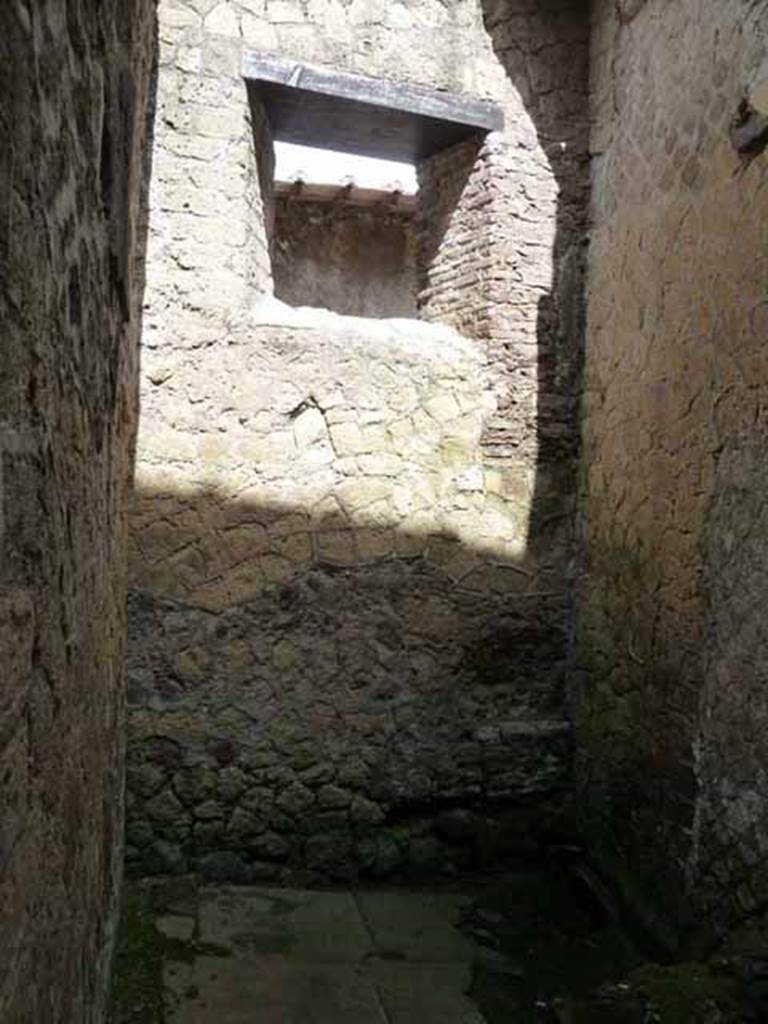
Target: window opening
pixel 344 156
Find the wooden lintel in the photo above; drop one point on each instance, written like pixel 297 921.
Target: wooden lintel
pixel 332 109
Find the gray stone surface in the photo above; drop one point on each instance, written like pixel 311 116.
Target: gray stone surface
pixel 291 956
pixel 311 926
pixel 525 945
pixel 418 927
pixel 175 926
pixel 425 993
pixel 273 990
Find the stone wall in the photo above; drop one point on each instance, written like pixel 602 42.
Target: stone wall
pixel 357 260
pixel 328 577
pixel 503 233
pixel 671 629
pixel 73 96
pixel 352 540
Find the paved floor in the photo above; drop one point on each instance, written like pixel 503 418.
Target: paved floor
pixel 288 956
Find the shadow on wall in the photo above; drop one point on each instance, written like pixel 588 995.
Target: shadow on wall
pixel 296 682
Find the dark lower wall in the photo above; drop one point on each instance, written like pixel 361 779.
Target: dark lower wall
pixel 358 720
pixel 73 90
pixel 671 623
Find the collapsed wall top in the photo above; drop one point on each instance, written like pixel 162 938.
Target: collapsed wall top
pixel 332 109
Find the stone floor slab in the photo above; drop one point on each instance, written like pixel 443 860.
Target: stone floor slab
pixel 496 952
pixel 271 990
pixel 317 927
pixel 422 993
pixel 174 926
pixel 267 955
pixel 418 927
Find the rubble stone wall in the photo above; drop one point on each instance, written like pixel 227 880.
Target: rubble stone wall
pixel 74 82
pixel 328 579
pixel 671 632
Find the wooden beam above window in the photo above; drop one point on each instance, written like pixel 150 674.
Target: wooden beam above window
pixel 321 107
